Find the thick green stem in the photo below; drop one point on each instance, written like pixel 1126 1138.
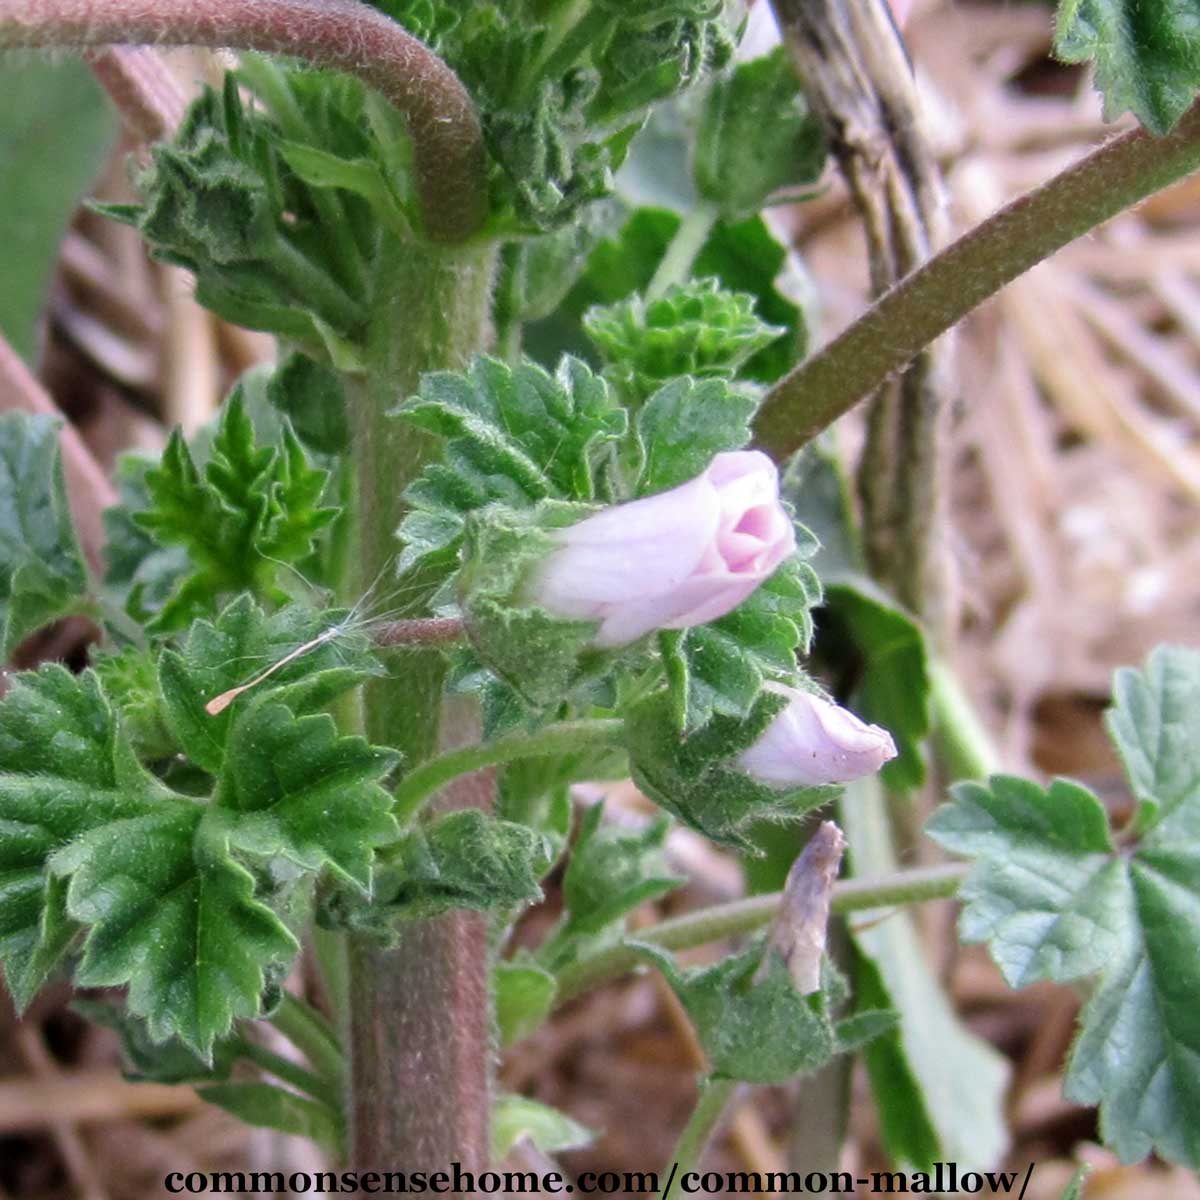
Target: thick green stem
pixel 745 916
pixel 964 747
pixel 312 1035
pixel 417 1041
pixel 935 297
pixel 711 1103
pixel 562 738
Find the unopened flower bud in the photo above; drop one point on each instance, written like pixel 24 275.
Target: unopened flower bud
pixel 813 742
pixel 680 558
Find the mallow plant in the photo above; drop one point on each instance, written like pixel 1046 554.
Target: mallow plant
pixel 535 494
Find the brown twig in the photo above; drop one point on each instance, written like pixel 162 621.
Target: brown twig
pixel 853 68
pixel 340 34
pixel 88 488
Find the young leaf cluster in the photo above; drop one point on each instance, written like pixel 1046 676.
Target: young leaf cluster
pixel 1058 895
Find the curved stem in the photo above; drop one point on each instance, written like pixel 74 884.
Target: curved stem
pixel 340 34
pixel 313 1036
pixel 420 631
pixel 565 736
pixel 745 916
pixel 937 295
pixel 711 1104
pixel 689 239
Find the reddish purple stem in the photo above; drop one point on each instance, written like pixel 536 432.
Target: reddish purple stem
pixel 341 34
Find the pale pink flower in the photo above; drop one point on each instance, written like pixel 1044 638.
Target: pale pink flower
pixel 814 741
pixel 682 557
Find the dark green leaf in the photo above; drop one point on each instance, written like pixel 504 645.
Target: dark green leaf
pixel 756 135
pixel 1147 55
pixel 303 792
pixel 42 576
pixel 240 645
pixel 65 769
pixel 55 132
pixel 174 917
pixel 311 395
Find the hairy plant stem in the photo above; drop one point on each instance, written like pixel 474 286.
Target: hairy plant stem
pixel 745 916
pixel 964 747
pixel 712 1102
pixel 341 34
pixel 419 1058
pixel 937 295
pixel 565 736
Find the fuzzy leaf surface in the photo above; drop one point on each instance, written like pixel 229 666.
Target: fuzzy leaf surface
pixel 516 435
pixel 42 576
pixel 65 770
pixel 1147 56
pixel 1054 900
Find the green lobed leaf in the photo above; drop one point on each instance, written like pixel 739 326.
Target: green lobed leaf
pixel 1147 56
pixel 175 918
pixel 1054 899
pixel 1155 724
pixel 240 645
pixel 695 328
pixel 310 394
pixel 129 678
pixel 516 435
pixel 684 424
pixel 695 777
pixel 249 511
pixel 65 770
pixel 303 792
pixel 42 575
pixel 756 135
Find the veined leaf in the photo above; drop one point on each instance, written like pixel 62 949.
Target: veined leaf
pixel 1055 900
pixel 1147 55
pixel 65 770
pixel 42 576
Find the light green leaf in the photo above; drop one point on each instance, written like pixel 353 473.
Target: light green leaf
pixel 939 1089
pixel 551 1131
pixel 55 131
pixel 65 769
pixel 1155 723
pixel 42 576
pixel 1055 899
pixel 1147 55
pixel 695 329
pixel 524 995
pixel 251 509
